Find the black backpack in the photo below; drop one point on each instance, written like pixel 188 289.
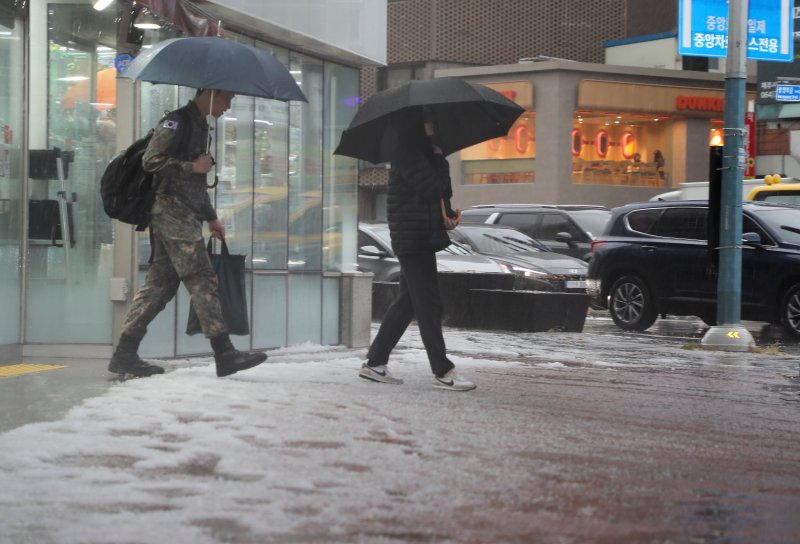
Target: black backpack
pixel 128 191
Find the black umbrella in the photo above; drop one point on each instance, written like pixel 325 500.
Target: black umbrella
pixel 465 114
pixel 215 63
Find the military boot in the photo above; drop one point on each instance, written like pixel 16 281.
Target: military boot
pixel 230 360
pixel 126 361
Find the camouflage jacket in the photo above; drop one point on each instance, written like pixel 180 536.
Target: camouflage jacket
pixel 178 189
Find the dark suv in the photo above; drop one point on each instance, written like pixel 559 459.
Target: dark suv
pixel 567 229
pixel 653 259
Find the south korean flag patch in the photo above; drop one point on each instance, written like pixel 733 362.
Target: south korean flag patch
pixel 171 124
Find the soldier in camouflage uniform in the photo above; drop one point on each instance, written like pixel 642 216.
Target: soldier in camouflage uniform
pixel 179 252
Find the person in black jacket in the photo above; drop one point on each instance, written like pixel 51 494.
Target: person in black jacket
pixel 419 189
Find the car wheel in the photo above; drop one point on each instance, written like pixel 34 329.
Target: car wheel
pixel 790 310
pixel 631 305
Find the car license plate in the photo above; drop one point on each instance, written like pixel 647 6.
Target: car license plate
pixel 575 284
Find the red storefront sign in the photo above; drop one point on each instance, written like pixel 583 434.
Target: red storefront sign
pixel 699 103
pixel 750 144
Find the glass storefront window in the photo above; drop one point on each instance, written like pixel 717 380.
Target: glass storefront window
pixel 233 141
pixel 69 241
pixel 283 200
pixel 511 158
pixel 11 88
pixel 340 196
pixel 286 201
pixel 305 166
pixel 620 148
pixel 271 183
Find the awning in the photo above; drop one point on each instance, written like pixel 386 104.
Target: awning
pixel 184 16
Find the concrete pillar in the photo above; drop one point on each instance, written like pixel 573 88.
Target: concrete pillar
pixel 690 138
pixel 356 309
pixel 556 95
pixel 125 258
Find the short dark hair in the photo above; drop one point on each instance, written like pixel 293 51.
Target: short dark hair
pixel 199 92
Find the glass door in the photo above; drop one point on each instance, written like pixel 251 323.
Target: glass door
pixel 11 85
pixel 69 236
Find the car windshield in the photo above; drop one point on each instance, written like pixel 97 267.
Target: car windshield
pixel 457 249
pixel 785 222
pixel 382 232
pixel 784 197
pixel 500 241
pixel 592 221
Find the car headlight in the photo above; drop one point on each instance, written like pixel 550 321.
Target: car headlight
pixel 528 272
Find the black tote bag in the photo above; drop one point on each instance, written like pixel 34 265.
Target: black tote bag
pixel 232 292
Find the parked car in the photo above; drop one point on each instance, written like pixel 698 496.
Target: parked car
pixel 375 255
pixel 536 267
pixel 654 259
pixel 785 193
pixel 698 190
pixel 567 229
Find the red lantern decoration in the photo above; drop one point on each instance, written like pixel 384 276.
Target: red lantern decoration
pixel 601 143
pixel 627 144
pixel 577 142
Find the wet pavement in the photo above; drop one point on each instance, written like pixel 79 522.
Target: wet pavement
pixel 601 437
pixel 667 442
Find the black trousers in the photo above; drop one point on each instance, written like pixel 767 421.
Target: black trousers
pixel 419 298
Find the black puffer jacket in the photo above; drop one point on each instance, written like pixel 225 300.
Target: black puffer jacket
pixel 418 181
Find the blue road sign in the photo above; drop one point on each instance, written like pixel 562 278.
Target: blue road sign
pixel 787 93
pixel 703 29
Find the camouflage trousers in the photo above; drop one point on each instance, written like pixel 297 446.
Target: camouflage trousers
pixel 179 256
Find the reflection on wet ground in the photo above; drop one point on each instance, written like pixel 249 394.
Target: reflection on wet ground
pixel 770 340
pixel 693 329
pixel 670 348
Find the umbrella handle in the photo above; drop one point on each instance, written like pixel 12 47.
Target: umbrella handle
pixel 457 218
pixel 216 182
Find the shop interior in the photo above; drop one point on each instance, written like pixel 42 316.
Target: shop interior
pixel 610 148
pixel 509 159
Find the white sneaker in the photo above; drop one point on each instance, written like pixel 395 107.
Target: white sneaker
pixel 453 382
pixel 378 374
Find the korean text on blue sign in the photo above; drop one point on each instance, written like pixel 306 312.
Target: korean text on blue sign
pixel 787 93
pixel 703 29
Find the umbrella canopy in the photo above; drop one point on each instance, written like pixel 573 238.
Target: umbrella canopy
pixel 215 63
pixel 465 114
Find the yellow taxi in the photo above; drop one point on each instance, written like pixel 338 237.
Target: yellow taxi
pixel 776 190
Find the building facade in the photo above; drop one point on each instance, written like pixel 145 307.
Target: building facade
pixel 429 35
pixel 67 272
pixel 592 134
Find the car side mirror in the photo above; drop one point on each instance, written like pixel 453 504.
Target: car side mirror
pixel 565 238
pixel 372 251
pixel 752 239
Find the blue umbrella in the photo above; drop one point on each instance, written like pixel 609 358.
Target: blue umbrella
pixel 215 63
